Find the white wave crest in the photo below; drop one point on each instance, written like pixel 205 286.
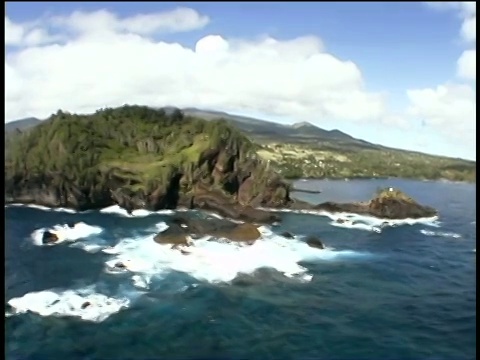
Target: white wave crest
pixel 83 303
pixel 362 222
pixel 65 233
pixel 217 261
pixel 43 208
pixel 440 234
pixel 115 209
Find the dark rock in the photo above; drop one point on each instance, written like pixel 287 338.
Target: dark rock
pixel 306 191
pixel 120 265
pixel 340 221
pixel 314 242
pixel 71 225
pixel 219 228
pixel 287 235
pixel 175 235
pixel 49 237
pixel 247 233
pixel 85 305
pixel 388 204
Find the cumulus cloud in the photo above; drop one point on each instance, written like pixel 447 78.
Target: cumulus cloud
pixel 177 20
pixel 467 10
pixel 450 108
pixel 13 32
pixel 469 29
pixel 467 65
pixel 105 60
pixel 26 34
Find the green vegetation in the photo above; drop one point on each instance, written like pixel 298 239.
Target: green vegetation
pixel 306 151
pixel 314 160
pixel 140 147
pixel 144 145
pixel 391 193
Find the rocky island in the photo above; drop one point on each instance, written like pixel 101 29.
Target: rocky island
pixel 143 158
pixel 388 203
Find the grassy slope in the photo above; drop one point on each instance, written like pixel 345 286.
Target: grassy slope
pixel 304 150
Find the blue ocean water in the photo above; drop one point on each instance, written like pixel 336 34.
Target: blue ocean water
pixel 408 292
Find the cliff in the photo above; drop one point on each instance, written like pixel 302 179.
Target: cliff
pixel 138 157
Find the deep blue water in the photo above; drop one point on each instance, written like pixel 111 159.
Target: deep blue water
pixel 400 294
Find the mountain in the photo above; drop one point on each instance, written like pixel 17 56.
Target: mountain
pixel 303 150
pixel 21 124
pixel 268 131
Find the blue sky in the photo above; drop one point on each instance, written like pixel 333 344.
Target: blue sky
pixel 388 73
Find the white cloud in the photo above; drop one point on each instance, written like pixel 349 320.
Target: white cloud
pixel 178 20
pixel 469 29
pixel 467 65
pixel 26 34
pixel 450 109
pixel 467 10
pixel 112 62
pixel 13 32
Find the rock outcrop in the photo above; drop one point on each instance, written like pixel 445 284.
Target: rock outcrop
pixel 183 226
pixel 387 204
pixel 49 237
pixel 137 157
pixel 315 242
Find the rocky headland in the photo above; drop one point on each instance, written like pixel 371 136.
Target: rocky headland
pixel 141 158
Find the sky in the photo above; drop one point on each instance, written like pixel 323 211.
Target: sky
pixel 397 74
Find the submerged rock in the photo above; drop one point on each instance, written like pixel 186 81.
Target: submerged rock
pixel 175 235
pixel 49 237
pixel 120 265
pixel 182 227
pixel 85 305
pixel 240 233
pixel 287 235
pixel 315 242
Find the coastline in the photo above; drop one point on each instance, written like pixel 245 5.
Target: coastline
pixel 379 178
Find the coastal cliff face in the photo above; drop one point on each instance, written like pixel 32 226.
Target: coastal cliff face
pixel 139 157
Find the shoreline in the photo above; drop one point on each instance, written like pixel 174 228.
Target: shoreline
pixel 381 178
pixel 145 212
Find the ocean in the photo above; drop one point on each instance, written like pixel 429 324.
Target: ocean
pixel 407 292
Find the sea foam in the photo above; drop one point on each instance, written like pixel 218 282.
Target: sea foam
pixel 65 233
pixel 440 234
pixel 117 210
pixel 213 260
pixel 83 303
pixel 362 222
pixel 43 208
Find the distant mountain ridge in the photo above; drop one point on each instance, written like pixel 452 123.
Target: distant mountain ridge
pixel 21 124
pixel 269 130
pixel 258 129
pixel 261 130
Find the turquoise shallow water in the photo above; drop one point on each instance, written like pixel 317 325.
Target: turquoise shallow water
pixel 408 292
